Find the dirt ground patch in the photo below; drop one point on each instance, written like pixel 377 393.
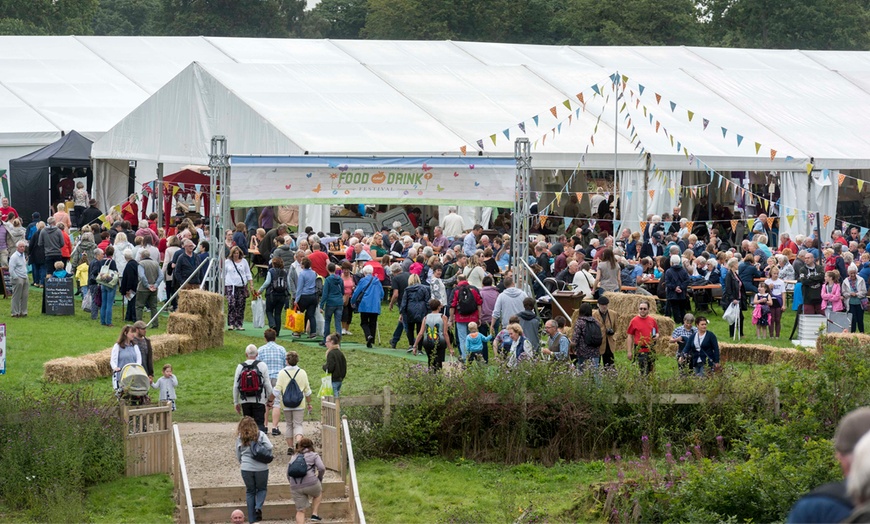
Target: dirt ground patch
pixel 210 454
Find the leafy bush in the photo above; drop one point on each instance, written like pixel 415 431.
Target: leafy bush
pixel 543 411
pixel 56 444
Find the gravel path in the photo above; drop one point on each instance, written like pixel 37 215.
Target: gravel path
pixel 209 453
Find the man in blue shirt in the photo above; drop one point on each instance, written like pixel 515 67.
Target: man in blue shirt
pixel 274 357
pixel 469 244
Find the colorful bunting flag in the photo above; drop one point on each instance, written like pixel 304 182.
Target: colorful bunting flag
pixel 535 118
pixel 770 221
pixel 860 185
pixel 652 193
pixel 690 225
pixel 658 98
pixel 657 124
pixel 825 220
pixel 706 123
pixel 567 222
pixel 553 110
pixel 198 187
pixel 772 154
pixel 739 140
pixel 507 133
pixel 492 137
pixel 724 132
pixel 863 232
pixel 567 103
pixel 757 147
pixel 640 89
pixel 174 190
pixel 595 88
pixel 643 225
pixel 580 98
pixel 673 106
pixel 749 223
pixel 840 178
pixel 667 224
pixel 691 115
pixel 791 218
pixel 733 225
pixel 671 191
pixel 463 149
pixel 522 126
pixel 480 144
pixel 543 219
pixel 558 198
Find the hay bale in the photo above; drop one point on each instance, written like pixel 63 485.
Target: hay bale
pixel 762 355
pixel 829 339
pixel 198 302
pixel 103 360
pixel 185 344
pixel 163 346
pixel 68 370
pixel 184 324
pixel 627 304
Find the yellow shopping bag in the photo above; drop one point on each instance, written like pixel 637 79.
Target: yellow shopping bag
pixel 295 321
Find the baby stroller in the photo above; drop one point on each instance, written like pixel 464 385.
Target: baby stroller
pixel 133 385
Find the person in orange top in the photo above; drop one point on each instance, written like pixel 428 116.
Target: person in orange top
pixel 66 250
pixel 642 334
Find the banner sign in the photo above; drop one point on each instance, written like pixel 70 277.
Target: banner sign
pixel 278 180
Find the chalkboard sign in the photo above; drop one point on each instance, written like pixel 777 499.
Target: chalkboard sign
pixel 7 282
pixel 58 295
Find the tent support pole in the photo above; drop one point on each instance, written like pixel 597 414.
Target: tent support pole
pixel 616 198
pixel 159 191
pixel 646 186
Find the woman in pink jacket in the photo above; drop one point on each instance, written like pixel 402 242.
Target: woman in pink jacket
pixel 832 300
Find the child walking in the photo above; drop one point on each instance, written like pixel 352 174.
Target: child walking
pixel 474 343
pixel 167 384
pixel 761 315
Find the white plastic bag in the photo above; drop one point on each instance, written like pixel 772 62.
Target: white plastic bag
pixel 732 314
pixel 87 302
pixel 161 292
pixel 319 320
pixel 258 307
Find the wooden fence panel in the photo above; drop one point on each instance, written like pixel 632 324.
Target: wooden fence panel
pixel 330 428
pixel 148 439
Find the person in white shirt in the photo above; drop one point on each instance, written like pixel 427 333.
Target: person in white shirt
pixel 453 224
pixel 583 280
pixel 18 272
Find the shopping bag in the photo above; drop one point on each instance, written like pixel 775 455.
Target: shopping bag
pixel 161 292
pixel 326 386
pixel 87 302
pixel 295 321
pixel 319 320
pixel 258 308
pixel 732 314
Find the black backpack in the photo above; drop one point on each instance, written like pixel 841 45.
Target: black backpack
pixel 467 304
pixel 298 468
pixel 292 396
pixel 592 336
pixel 278 285
pixel 625 276
pixel 251 380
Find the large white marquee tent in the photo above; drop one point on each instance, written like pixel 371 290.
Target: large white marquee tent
pixel 144 99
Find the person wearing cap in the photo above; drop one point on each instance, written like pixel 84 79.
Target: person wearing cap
pixel 145 350
pixel 653 248
pixel 607 320
pixel 830 502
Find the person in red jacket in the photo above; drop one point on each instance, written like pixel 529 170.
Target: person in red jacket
pixel 319 260
pixel 130 210
pixel 785 242
pixel 66 250
pixel 461 313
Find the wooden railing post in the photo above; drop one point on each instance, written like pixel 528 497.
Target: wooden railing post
pixel 387 406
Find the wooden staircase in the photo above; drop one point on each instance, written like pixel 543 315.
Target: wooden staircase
pixel 214 504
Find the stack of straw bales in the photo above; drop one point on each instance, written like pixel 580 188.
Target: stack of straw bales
pixel 761 354
pixel 625 307
pixel 197 325
pixel 833 338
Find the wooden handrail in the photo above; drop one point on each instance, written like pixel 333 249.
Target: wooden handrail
pixel 358 515
pixel 179 454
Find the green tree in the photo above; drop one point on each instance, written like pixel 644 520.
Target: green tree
pixel 246 18
pixel 789 24
pixel 338 18
pixel 126 17
pixel 49 17
pixel 628 22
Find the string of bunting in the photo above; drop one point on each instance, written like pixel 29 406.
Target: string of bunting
pixel 789 213
pixel 573 112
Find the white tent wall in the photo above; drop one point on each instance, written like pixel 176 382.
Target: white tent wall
pixel 823 199
pixel 111 178
pixel 633 198
pixel 316 216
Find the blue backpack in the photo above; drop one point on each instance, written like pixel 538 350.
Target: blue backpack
pixel 292 396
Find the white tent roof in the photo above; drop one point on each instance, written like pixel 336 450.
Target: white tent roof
pixel 403 97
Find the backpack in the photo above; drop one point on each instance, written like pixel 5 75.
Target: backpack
pixel 251 380
pixel 318 287
pixel 467 304
pixel 292 396
pixel 625 276
pixel 278 285
pixel 592 336
pixel 298 468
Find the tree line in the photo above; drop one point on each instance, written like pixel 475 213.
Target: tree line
pixel 776 24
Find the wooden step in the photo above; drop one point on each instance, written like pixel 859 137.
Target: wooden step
pixel 236 494
pixel 331 510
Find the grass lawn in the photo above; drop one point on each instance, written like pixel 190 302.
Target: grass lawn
pixel 438 490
